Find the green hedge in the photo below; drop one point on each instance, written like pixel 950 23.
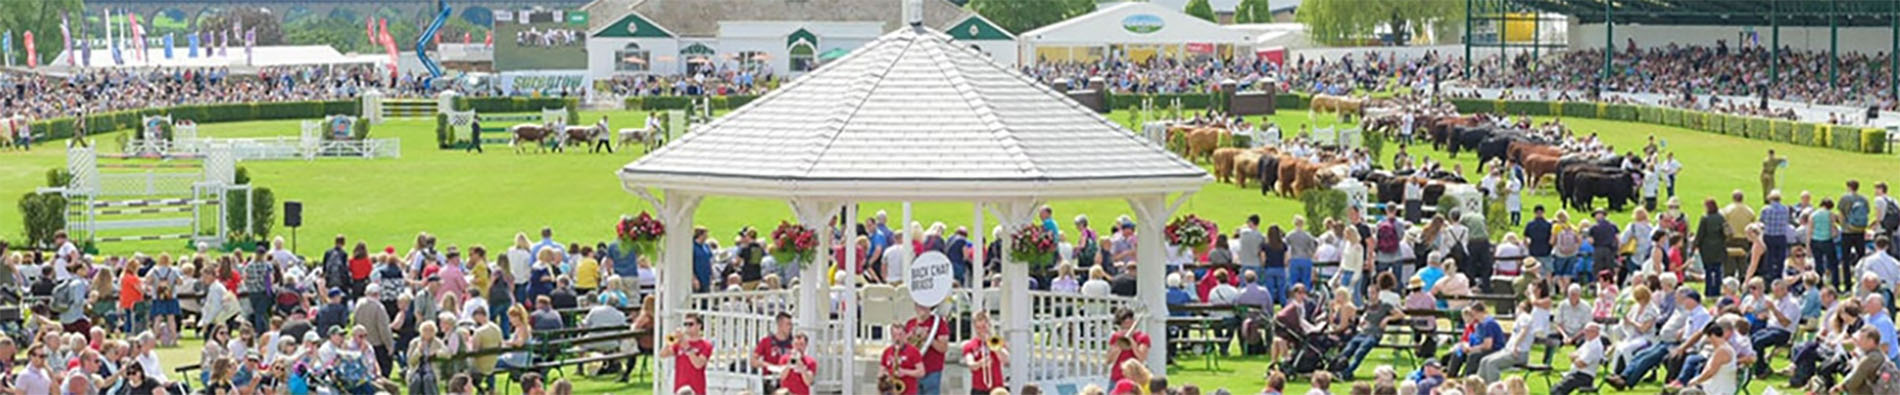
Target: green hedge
pixel 1291 101
pixel 513 104
pixel 1873 141
pixel 1189 101
pixel 96 123
pixel 1805 133
pixel 1580 109
pixel 650 103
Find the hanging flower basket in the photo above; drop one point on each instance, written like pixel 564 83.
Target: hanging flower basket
pixel 643 233
pixel 793 243
pixel 1031 244
pixel 1190 231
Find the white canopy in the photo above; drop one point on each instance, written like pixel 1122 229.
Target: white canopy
pixel 914 116
pixel 1134 23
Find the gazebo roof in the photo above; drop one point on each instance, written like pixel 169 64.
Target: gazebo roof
pixel 914 115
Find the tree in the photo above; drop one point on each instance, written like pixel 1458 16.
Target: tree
pixel 1019 16
pixel 1253 11
pixel 270 31
pixel 344 35
pixel 1351 21
pixel 1200 9
pixel 42 18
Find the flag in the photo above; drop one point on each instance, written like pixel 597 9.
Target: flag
pixel 224 43
pixel 191 41
pixel 6 47
pixel 467 37
pixel 250 40
pixel 66 38
pixel 32 54
pixel 490 39
pixel 389 45
pixel 113 39
pixel 85 42
pixel 138 36
pixel 168 45
pixel 369 29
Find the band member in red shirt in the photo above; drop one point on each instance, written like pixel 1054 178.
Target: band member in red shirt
pixel 934 336
pixel 797 368
pixel 902 363
pixel 1126 343
pixel 690 354
pixel 986 363
pixel 772 348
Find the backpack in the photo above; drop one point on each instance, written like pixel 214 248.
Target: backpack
pixel 64 299
pixel 1886 375
pixel 1388 237
pixel 1856 213
pixel 1890 215
pixel 336 269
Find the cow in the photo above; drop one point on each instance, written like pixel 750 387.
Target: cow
pixel 1247 166
pixel 1269 171
pixel 1224 163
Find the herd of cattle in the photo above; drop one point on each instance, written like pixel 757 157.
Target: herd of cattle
pixel 1578 175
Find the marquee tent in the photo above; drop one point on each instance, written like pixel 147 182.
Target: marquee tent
pixel 1136 31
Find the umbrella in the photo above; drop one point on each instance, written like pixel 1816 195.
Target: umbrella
pixel 834 53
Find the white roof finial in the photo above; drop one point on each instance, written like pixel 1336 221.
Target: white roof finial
pixel 914 12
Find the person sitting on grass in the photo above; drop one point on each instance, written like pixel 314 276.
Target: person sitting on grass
pixel 1382 310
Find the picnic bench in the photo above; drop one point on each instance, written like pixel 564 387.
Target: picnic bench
pixel 1207 343
pixel 558 348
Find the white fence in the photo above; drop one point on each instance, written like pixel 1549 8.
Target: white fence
pixel 1068 337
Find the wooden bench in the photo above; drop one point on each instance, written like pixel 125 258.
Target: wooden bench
pixel 185 371
pixel 556 354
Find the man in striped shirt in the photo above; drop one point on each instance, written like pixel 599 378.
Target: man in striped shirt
pixel 1775 225
pixel 259 275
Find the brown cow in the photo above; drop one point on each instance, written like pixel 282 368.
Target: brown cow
pixel 1324 103
pixel 1536 166
pixel 1246 166
pixel 1202 141
pixel 1224 163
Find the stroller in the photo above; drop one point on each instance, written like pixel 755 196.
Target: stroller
pixel 1308 355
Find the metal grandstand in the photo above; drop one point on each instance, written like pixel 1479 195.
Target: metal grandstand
pixel 1770 13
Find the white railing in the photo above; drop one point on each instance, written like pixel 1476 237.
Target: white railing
pixel 148 183
pixel 1069 336
pixel 732 321
pixel 371 148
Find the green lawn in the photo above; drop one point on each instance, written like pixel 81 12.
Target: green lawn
pixel 486 198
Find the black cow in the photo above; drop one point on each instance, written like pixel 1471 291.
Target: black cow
pixel 1468 138
pixel 1588 184
pixel 1268 170
pixel 1498 145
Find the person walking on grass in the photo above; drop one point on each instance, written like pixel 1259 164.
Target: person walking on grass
pixel 474 136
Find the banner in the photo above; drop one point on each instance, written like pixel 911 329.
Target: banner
pixel 369 29
pixel 191 42
pixel 32 54
pixel 489 41
pixel 467 38
pixel 66 39
pixel 224 43
pixel 138 36
pixel 168 45
pixel 6 47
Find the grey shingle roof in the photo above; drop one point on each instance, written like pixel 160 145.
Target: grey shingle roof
pixel 918 115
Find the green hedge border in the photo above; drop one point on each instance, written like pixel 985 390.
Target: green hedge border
pixel 1864 140
pixel 106 122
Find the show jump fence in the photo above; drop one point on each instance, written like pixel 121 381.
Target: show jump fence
pixel 136 200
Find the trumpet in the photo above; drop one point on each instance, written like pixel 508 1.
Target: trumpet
pixel 995 343
pixel 672 338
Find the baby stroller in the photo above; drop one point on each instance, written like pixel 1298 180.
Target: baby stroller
pixel 1307 355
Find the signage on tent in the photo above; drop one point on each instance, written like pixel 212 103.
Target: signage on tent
pixel 929 278
pixel 1142 23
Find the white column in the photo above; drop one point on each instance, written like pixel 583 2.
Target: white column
pixel 850 316
pixel 1016 321
pixel 676 274
pixel 1152 214
pixel 978 233
pixel 814 306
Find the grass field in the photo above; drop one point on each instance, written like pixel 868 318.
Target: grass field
pixel 485 198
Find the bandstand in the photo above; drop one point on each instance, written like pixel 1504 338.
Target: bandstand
pixel 912 116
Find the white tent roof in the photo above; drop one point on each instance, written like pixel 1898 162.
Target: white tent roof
pixel 263 56
pixel 914 116
pixel 1108 26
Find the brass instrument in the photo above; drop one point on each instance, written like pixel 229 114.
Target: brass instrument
pixel 672 338
pixel 889 384
pixel 995 343
pixel 1124 342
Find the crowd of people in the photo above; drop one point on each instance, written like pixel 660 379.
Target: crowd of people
pixel 1689 70
pixel 276 322
pixel 714 82
pixel 39 96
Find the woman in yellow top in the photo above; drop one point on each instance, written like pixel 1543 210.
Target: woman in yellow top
pixel 587 272
pixel 478 267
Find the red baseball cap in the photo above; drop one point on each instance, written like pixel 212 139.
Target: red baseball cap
pixel 1126 386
